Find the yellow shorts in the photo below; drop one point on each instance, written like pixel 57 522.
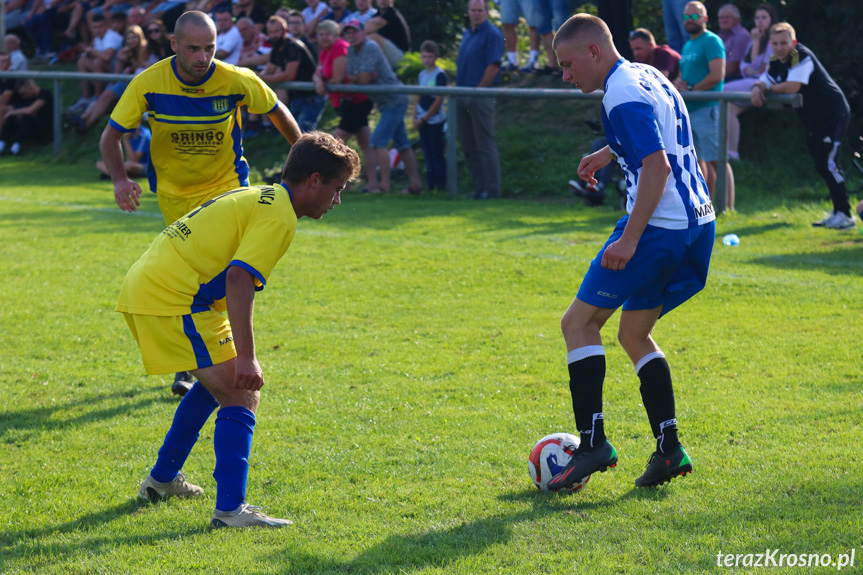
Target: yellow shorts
pixel 182 343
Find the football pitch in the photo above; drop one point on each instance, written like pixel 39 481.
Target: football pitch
pixel 412 354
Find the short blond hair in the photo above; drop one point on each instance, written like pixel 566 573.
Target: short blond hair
pixel 330 26
pixel 580 26
pixel 781 27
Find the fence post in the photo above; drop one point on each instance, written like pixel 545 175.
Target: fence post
pixel 58 116
pixel 451 134
pixel 720 197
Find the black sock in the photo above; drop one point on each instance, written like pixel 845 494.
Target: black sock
pixel 586 376
pixel 658 398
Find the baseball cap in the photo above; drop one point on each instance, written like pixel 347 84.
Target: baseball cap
pixel 352 23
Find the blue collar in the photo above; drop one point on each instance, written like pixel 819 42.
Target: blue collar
pixel 287 189
pixel 614 68
pixel 205 78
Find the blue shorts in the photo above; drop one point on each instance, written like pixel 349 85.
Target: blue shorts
pixel 511 10
pixel 668 268
pixel 391 126
pixel 551 14
pixel 705 133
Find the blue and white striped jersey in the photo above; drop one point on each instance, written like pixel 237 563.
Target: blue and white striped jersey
pixel 643 113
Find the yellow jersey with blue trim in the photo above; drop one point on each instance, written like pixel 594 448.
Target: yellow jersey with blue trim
pixel 185 268
pixel 196 140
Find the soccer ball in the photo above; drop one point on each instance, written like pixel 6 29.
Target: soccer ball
pixel 549 456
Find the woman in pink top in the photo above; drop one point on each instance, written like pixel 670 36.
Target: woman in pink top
pixel 756 62
pixel 353 108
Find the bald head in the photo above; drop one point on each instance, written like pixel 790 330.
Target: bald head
pixel 696 7
pixel 193 19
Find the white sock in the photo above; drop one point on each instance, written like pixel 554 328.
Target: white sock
pixel 2 146
pixel 512 57
pixel 534 54
pixel 15 148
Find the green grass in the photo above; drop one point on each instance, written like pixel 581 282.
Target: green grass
pixel 413 357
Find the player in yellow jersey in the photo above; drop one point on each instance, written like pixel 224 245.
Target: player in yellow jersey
pixel 227 246
pixel 193 103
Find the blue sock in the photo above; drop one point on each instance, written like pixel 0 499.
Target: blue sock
pixel 233 443
pixel 190 417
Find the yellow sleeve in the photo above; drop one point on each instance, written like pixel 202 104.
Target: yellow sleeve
pixel 260 98
pixel 127 113
pixel 258 253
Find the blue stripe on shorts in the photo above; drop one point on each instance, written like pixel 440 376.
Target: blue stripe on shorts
pixel 202 354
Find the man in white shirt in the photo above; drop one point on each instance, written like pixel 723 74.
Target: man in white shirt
pixel 97 58
pixel 229 41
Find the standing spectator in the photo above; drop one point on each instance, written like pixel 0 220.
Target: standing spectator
pixel 229 42
pixel 672 17
pixel 510 12
pixel 365 11
pixel 250 9
pixel 702 69
pixel 390 31
pixel 825 113
pixel 97 58
pixel 253 55
pixel 17 59
pixel 368 65
pixel 736 39
pixel 645 51
pixel 552 15
pixel 429 117
pixel 478 66
pixel 29 118
pixel 338 12
pixel 353 108
pixel 39 24
pixel 291 61
pixel 656 258
pixel 754 64
pixel 617 15
pixel 201 158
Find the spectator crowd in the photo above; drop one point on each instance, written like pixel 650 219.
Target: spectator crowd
pixel 356 42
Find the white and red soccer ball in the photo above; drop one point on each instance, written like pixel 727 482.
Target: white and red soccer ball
pixel 548 458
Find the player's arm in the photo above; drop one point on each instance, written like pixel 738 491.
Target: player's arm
pixel 651 185
pixel 284 121
pixel 240 293
pixel 126 192
pixel 592 163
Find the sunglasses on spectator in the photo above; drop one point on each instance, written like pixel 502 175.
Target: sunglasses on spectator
pixel 693 17
pixel 638 35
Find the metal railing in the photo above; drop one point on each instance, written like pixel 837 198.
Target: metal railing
pixel 719 200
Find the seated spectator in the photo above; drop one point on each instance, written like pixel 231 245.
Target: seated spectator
pixel 754 64
pixel 253 55
pixel 291 61
pixel 368 65
pixel 77 29
pixel 297 28
pixel 736 39
pixel 136 148
pixel 252 10
pixel 429 117
pixel 30 117
pixel 97 58
pixel 136 16
pixel 17 59
pixel 39 24
pixel 390 32
pixel 645 51
pixel 118 22
pixel 167 11
pixel 158 40
pixel 16 11
pixel 312 15
pixel 133 58
pixel 364 11
pixel 7 85
pixel 229 42
pixel 338 12
pixel 353 108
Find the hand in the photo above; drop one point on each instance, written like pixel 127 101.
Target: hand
pixel 617 254
pixel 418 123
pixel 757 96
pixel 592 163
pixel 248 374
pixel 126 195
pixel 756 34
pixel 681 85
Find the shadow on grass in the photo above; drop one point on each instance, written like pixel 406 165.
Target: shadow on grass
pixel 41 542
pixel 21 425
pixel 755 230
pixel 438 548
pixel 841 261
